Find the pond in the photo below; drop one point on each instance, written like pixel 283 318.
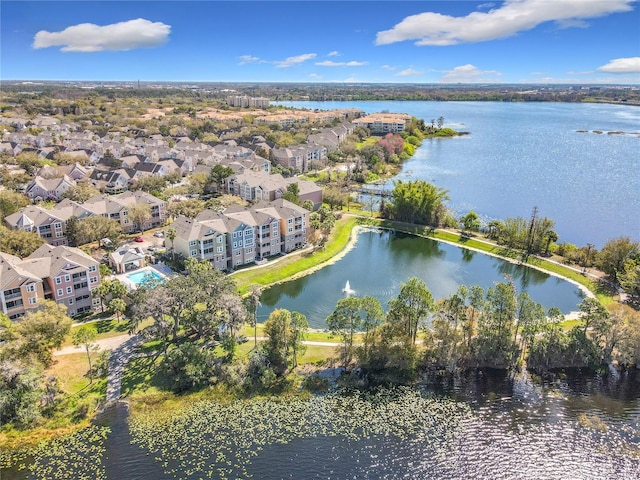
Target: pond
pixel 381 260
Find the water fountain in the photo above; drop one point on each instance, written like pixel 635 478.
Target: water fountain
pixel 347 289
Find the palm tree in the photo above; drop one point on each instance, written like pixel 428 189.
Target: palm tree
pixel 551 237
pixel 171 236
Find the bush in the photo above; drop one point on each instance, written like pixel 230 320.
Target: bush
pixel 315 384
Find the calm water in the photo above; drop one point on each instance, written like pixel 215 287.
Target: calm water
pixel 380 261
pixel 485 426
pixel 521 155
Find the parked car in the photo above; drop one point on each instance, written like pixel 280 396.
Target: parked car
pixel 139 239
pixel 158 234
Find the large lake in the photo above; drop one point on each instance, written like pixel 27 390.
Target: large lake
pixel 380 261
pixel 521 155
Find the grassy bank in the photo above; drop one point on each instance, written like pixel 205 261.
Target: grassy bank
pixel 296 264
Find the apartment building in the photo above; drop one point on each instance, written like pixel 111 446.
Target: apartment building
pixel 63 274
pixel 381 123
pixel 50 224
pixel 241 235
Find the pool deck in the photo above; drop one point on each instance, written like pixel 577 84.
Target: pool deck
pixel 159 268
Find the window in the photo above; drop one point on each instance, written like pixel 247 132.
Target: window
pixel 194 253
pixel 238 253
pixel 92 268
pixel 31 287
pixel 57 225
pixel 33 300
pixel 60 292
pixel 58 280
pixel 67 278
pixel 71 301
pixel 290 230
pixel 290 220
pixel 235 244
pixel 219 250
pixel 93 280
pixel 69 289
pixel 219 239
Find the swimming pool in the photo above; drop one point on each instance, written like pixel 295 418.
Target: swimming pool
pixel 144 275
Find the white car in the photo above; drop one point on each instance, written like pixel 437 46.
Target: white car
pixel 158 234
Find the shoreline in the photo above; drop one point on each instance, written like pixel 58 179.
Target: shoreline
pixel 357 229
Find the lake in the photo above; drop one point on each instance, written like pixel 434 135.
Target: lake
pixel 521 155
pixel 381 260
pixel 483 426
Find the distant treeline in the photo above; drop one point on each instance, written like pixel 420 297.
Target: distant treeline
pixel 358 92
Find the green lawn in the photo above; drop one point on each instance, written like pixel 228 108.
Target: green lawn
pixel 297 263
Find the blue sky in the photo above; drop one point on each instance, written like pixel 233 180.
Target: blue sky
pixel 516 41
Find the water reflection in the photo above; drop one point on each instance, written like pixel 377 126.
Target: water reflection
pixel 381 261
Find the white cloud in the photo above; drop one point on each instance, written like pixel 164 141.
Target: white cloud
pixel 315 75
pixel 622 65
pixel 351 79
pixel 88 37
pixel 388 67
pixel 511 17
pixel 244 59
pixel 289 61
pixel 469 74
pixel 408 72
pixel 335 53
pixel 329 63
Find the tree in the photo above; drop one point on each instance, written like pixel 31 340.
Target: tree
pixel 334 198
pixel 613 256
pixel 117 306
pixel 19 392
pixel 73 231
pixel 276 347
pixel 11 202
pixel 42 331
pixel 84 337
pixel 308 205
pixel 372 316
pixel 139 214
pixel 292 193
pixel 81 192
pixel 298 328
pixel 252 302
pixel 218 175
pixel 18 242
pixel 471 222
pixel 170 235
pixel 96 227
pixel 410 308
pixel 418 202
pixel 189 208
pixel 345 321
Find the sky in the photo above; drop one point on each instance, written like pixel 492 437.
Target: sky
pixel 399 41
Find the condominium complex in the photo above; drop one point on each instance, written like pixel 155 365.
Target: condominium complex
pixel 241 235
pixel 64 274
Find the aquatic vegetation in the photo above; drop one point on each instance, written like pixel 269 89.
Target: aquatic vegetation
pixel 77 456
pixel 215 440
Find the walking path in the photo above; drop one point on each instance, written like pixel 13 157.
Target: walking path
pixel 117 361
